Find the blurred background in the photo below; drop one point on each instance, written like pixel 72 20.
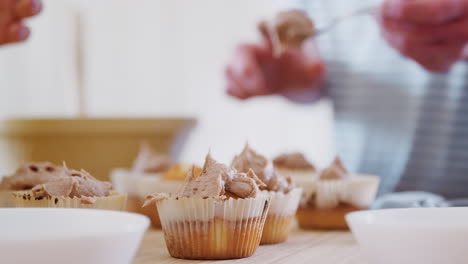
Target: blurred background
pixel 151 58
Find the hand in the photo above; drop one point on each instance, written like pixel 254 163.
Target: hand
pixel 12 13
pixel 431 32
pixel 254 71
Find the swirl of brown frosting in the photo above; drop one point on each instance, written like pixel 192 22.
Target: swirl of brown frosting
pixel 216 181
pixel 30 174
pixel 288 29
pixel 294 160
pixel 73 183
pixel 248 159
pixel 149 161
pixel 335 171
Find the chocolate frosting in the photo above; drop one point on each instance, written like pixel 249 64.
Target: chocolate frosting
pixel 288 28
pixel 216 181
pixel 30 174
pixel 73 183
pixel 248 159
pixel 294 160
pixel 335 171
pixel 149 161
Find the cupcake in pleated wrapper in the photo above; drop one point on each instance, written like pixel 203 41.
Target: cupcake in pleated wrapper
pixel 326 201
pixel 284 195
pixel 218 215
pixel 294 165
pixel 151 172
pixel 28 175
pixel 71 189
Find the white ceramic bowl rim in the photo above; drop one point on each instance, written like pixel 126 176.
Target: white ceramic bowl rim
pixel 414 218
pixel 99 223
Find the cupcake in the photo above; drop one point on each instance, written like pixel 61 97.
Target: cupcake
pixel 218 215
pixel 71 189
pixel 288 29
pixel 284 196
pixel 295 165
pixel 27 176
pixel 146 176
pixel 325 201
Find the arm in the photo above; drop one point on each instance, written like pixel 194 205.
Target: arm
pixel 12 13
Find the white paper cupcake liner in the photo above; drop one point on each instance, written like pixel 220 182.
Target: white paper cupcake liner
pixel 6 199
pixel 276 229
pixel 284 204
pixel 359 191
pixel 115 201
pixel 298 174
pixel 140 185
pixel 196 228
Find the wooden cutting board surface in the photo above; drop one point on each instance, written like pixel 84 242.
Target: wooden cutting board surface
pixel 302 247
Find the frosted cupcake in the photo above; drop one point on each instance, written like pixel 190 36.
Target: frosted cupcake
pixel 27 176
pixel 71 189
pixel 218 215
pixel 284 196
pixel 294 165
pixel 146 176
pixel 326 201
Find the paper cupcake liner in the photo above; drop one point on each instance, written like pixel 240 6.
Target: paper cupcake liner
pixel 282 210
pixel 362 191
pixel 6 199
pixel 196 228
pixel 298 174
pixel 358 191
pixel 135 184
pixel 134 205
pixel 284 204
pixel 115 201
pixel 276 229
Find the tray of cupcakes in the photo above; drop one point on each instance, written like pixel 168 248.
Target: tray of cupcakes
pixel 217 211
pixel 226 211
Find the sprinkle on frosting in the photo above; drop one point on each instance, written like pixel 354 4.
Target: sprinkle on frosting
pixel 72 184
pixel 248 159
pixel 149 161
pixel 215 181
pixel 30 174
pixel 335 171
pixel 293 161
pixel 288 29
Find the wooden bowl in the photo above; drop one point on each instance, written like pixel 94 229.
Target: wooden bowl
pixel 95 144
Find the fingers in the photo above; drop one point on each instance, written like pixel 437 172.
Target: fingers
pixel 27 8
pixel 437 56
pixel 425 11
pixel 244 75
pixel 418 33
pixel 15 32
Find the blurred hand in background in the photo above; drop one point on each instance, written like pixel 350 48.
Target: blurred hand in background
pixel 254 71
pixel 434 33
pixel 12 13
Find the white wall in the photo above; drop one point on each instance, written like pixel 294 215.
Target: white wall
pixel 157 58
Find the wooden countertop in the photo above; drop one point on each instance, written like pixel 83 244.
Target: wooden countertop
pixel 302 247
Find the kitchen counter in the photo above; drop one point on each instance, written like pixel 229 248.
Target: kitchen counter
pixel 302 247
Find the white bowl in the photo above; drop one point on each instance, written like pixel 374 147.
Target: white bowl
pixel 72 236
pixel 413 235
